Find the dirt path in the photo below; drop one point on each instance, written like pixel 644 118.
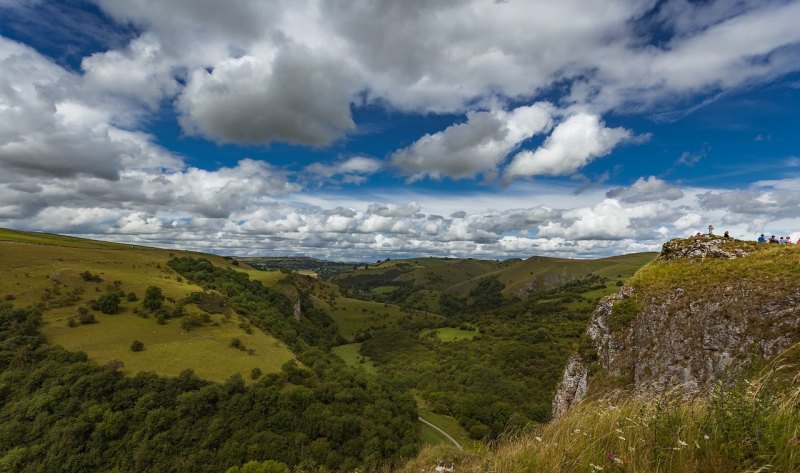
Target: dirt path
pixel 451 439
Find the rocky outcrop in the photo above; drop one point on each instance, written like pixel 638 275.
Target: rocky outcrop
pixel 705 246
pixel 684 335
pixel 298 311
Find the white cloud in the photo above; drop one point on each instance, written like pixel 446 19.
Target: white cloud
pixel 643 189
pixel 573 144
pixel 353 170
pixel 477 146
pixel 298 97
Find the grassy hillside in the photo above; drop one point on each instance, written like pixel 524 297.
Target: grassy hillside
pixel 750 426
pixel 540 273
pixel 46 270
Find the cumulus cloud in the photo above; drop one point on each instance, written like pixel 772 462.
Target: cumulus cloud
pixel 54 126
pixel 478 145
pixel 353 170
pixel 312 60
pixel 573 144
pixel 299 97
pixel 648 189
pixel 140 71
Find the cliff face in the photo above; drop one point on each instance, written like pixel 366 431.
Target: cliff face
pixel 695 316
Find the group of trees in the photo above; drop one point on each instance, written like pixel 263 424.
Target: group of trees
pixel 508 375
pixel 62 412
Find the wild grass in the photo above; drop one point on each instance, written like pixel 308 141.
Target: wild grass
pixel 350 354
pixel 751 426
pixel 450 334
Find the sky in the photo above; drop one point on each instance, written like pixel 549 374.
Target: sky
pixel 359 130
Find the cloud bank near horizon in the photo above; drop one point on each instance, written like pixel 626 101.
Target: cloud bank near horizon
pixel 532 86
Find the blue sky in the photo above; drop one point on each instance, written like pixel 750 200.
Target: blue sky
pixel 361 130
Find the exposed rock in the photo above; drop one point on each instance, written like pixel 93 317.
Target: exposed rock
pixel 704 246
pixel 298 311
pixel 688 335
pixel 572 387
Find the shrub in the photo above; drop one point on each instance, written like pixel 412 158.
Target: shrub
pixel 132 297
pixel 137 346
pixel 89 277
pixel 237 343
pixel 108 303
pixel 255 373
pixel 87 318
pixel 153 298
pixel 71 322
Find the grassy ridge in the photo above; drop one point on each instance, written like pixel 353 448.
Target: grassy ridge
pixel 540 273
pixel 44 269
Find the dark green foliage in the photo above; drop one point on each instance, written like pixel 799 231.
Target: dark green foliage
pixel 451 304
pixel 264 307
pixel 487 295
pixel 71 322
pixel 61 412
pixel 108 303
pixel 236 342
pixel 86 318
pixel 137 345
pixel 504 378
pixel 153 298
pixel 255 373
pixel 89 277
pixel 209 302
pixel 132 297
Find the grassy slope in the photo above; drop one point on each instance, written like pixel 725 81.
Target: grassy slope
pixel 31 262
pixel 552 272
pixel 350 354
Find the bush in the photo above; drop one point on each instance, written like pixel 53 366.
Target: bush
pixel 108 303
pixel 132 297
pixel 153 298
pixel 255 373
pixel 237 343
pixel 137 346
pixel 89 277
pixel 87 318
pixel 71 322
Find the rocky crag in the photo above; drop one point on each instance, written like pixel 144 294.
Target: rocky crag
pixel 695 316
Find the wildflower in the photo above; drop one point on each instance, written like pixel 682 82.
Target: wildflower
pixel 618 460
pixel 706 437
pixel 576 431
pixel 682 443
pixel 619 431
pixel 621 437
pixel 538 439
pixel 596 467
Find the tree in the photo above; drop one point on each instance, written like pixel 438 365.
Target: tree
pixel 137 346
pixel 108 303
pixel 153 298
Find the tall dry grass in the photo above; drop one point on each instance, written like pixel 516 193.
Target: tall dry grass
pixel 750 426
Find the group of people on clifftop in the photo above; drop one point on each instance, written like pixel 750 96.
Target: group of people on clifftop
pixel 780 241
pixel 787 240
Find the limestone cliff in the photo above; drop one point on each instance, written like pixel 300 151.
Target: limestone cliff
pixel 699 313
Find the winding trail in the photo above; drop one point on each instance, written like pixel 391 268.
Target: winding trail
pixel 451 439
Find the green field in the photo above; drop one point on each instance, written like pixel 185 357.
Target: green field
pixel 449 334
pixel 168 348
pixel 267 278
pixel 349 353
pixel 38 268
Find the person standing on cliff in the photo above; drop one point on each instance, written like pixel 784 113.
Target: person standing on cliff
pixel 711 229
pixel 762 239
